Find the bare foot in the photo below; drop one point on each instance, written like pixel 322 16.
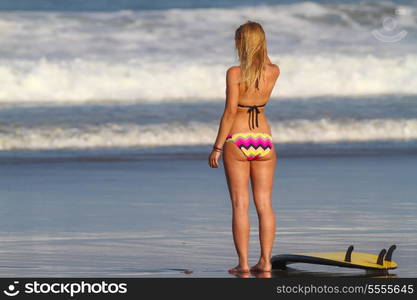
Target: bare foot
pixel 239 269
pixel 262 274
pixel 261 267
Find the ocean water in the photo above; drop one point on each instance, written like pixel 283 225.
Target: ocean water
pixel 127 76
pixel 95 88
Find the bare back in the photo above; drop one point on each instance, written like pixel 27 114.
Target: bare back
pixel 255 97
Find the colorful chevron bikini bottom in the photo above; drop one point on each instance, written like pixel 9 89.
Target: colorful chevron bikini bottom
pixel 252 144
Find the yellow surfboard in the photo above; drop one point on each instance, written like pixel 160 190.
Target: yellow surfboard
pixel 349 259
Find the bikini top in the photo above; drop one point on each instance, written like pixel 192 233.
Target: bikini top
pixel 253 112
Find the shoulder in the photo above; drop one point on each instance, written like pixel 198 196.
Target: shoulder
pixel 272 70
pixel 233 75
pixel 233 72
pixel 276 69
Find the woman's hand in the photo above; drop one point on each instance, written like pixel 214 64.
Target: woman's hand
pixel 213 159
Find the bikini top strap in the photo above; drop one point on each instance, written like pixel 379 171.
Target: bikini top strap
pixel 253 112
pixel 241 105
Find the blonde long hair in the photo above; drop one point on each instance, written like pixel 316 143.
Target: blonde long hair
pixel 251 47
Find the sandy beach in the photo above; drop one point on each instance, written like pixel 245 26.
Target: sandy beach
pixel 161 218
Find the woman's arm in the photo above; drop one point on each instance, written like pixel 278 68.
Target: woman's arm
pixel 229 114
pixel 230 110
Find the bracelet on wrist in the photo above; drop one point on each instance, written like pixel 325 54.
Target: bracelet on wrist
pixel 217 149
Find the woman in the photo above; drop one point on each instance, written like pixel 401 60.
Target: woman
pixel 245 139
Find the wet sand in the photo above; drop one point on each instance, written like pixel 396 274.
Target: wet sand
pixel 172 218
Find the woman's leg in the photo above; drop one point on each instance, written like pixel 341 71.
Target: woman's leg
pixel 262 178
pixel 237 174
